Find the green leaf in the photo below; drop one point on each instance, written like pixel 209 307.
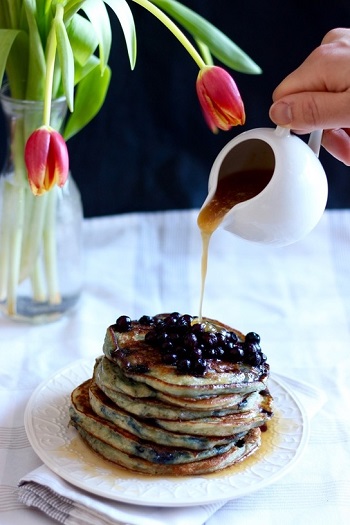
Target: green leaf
pixel 97 13
pixel 222 47
pixel 44 15
pixel 81 71
pixel 90 95
pixel 122 10
pixel 66 59
pixel 72 7
pixel 7 37
pixel 37 64
pixel 16 62
pixel 82 38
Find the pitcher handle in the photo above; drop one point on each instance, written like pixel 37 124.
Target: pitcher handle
pixel 315 141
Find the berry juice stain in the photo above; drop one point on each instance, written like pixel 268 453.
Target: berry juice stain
pixel 231 190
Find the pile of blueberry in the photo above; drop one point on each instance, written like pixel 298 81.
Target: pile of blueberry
pixel 190 345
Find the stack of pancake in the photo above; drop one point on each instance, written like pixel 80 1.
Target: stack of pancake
pixel 149 416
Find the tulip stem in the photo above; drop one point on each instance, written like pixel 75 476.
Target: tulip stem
pixel 50 68
pixel 5 235
pixel 50 249
pixel 205 51
pixel 17 202
pixel 37 282
pixel 162 17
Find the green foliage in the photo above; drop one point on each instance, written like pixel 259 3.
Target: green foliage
pixel 83 39
pixel 90 95
pixel 215 40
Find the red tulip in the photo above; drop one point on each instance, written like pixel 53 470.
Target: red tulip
pixel 46 158
pixel 220 99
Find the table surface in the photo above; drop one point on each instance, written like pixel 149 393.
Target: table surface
pixel 296 297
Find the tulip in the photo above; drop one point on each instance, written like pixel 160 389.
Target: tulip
pixel 220 99
pixel 46 158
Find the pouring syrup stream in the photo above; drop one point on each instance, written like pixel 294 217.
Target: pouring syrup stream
pixel 231 189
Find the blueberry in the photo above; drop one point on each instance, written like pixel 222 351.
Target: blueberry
pixel 254 359
pixel 221 338
pixel 209 339
pixel 183 324
pixel 228 346
pixel 198 328
pixel 184 366
pixel 251 347
pixel 136 368
pixel 151 337
pixel 199 367
pixel 232 336
pixel 220 352
pixel 197 353
pixel 162 338
pixel 172 319
pixel 146 320
pixel 159 324
pixel 170 359
pixel 191 341
pixel 181 351
pixel 174 338
pixel 167 346
pixel 210 353
pixel 123 323
pixel 252 337
pixel 235 353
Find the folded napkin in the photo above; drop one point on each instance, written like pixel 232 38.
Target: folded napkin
pixel 69 505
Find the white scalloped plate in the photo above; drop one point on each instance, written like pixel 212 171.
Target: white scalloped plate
pixel 60 448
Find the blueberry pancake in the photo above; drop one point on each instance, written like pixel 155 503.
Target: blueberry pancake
pixel 174 396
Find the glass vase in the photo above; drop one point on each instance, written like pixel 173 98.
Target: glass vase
pixel 40 236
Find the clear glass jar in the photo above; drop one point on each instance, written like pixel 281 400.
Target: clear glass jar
pixel 40 236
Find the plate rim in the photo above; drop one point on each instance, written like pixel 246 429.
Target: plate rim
pixel 88 364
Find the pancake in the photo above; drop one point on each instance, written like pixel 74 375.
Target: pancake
pixel 132 354
pixel 149 429
pixel 109 375
pixel 174 396
pixel 206 466
pixel 85 418
pixel 151 407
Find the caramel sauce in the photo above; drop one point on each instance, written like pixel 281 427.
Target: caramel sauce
pixel 231 190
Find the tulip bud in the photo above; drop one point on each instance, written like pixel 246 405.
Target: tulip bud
pixel 46 158
pixel 220 99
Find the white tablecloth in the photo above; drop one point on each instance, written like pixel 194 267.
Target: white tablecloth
pixel 297 298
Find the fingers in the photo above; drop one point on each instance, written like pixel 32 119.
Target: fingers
pixel 334 35
pixel 312 110
pixel 317 95
pixel 326 69
pixel 311 76
pixel 337 143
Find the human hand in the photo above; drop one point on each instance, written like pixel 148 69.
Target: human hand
pixel 317 95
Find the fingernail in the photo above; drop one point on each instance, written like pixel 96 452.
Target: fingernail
pixel 281 113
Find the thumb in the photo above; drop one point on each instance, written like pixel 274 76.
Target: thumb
pixel 308 111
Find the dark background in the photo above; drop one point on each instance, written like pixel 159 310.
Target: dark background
pixel 149 148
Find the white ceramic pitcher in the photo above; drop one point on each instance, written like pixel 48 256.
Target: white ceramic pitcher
pixel 292 202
